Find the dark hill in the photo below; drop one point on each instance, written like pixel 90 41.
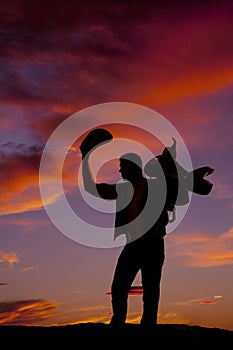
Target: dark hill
pixel 101 335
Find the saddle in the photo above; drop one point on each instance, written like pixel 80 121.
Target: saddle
pixel 179 180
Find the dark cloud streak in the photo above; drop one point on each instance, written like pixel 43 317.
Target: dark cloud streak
pixel 26 312
pixel 10 149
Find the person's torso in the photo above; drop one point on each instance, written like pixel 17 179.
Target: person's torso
pixel 144 213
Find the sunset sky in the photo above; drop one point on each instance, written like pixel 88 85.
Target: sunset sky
pixel 59 58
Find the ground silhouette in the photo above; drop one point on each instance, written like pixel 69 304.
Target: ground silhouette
pixel 101 335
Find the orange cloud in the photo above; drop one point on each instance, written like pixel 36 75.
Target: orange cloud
pixel 189 85
pixel 199 250
pixel 19 178
pixel 8 258
pixel 26 312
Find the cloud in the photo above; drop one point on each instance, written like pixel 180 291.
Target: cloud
pixel 199 250
pixel 20 164
pixel 3 283
pixel 205 302
pixel 8 259
pixel 88 314
pixel 29 268
pixel 92 53
pixel 197 71
pixel 135 290
pixel 23 224
pixel 222 189
pixel 26 312
pixel 19 178
pixel 19 169
pixel 174 318
pixel 210 300
pixel 67 58
pixel 98 54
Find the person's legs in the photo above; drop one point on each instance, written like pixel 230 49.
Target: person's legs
pixel 125 272
pixel 151 276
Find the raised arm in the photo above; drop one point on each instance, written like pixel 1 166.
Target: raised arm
pixel 103 190
pixel 89 143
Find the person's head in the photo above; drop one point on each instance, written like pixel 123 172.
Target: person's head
pixel 131 166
